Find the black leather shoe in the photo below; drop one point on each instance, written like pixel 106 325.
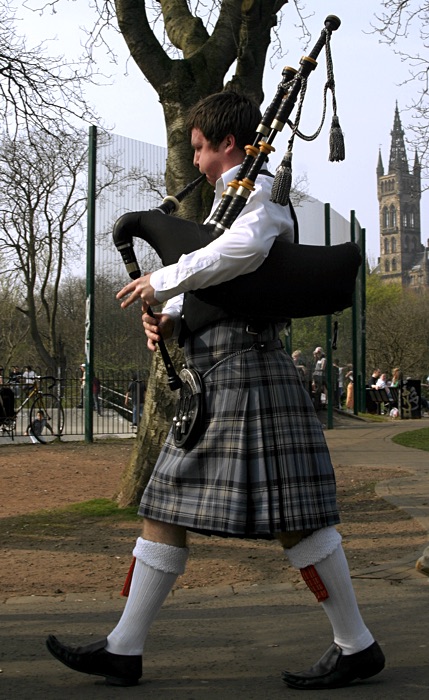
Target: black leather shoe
pixel 94 659
pixel 334 670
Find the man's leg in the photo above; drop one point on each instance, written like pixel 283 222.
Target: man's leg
pixel 354 654
pixel 160 557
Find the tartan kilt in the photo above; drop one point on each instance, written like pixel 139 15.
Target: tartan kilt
pixel 261 465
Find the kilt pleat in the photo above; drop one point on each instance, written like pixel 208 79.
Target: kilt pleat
pixel 261 465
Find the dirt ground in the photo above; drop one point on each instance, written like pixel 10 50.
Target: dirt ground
pixel 94 556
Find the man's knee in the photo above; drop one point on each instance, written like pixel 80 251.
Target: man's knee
pixel 165 533
pixel 290 539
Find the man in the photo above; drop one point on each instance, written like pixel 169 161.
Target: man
pixel 374 378
pixel 15 380
pixel 300 365
pixel 36 428
pixel 260 467
pixel 381 383
pixel 319 377
pixel 29 378
pixel 82 385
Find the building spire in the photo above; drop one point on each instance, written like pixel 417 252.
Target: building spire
pixel 380 166
pixel 398 156
pixel 417 166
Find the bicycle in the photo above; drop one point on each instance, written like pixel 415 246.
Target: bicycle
pixel 46 420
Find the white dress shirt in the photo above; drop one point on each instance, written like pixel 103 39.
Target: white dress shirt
pixel 238 251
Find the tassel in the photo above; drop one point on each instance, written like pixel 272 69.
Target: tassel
pixel 337 149
pixel 314 582
pixel 282 181
pixel 127 585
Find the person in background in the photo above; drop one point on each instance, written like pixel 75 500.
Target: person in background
pixel 396 377
pixel 15 377
pixel 28 377
pixel 350 397
pixel 319 386
pixel 336 374
pixel 96 388
pixel 374 378
pixel 300 365
pixel 38 426
pixel 382 382
pixel 82 385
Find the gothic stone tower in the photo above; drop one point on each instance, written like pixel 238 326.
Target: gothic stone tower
pixel 402 256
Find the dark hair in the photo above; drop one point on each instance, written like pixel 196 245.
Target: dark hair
pixel 225 113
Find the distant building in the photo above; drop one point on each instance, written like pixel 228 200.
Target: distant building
pixel 403 257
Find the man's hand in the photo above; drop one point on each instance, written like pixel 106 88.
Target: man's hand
pixel 140 288
pixel 157 326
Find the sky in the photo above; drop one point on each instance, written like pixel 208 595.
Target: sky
pixel 368 77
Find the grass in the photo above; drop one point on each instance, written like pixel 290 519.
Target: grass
pixel 100 508
pixel 374 417
pixel 417 439
pixel 65 518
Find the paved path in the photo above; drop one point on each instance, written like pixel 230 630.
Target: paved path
pixel 225 644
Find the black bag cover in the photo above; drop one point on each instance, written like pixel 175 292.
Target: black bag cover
pixel 295 280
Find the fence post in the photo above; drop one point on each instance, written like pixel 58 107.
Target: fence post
pixel 356 374
pixel 328 319
pixel 90 256
pixel 363 321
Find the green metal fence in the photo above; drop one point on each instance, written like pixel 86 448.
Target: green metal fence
pixel 114 339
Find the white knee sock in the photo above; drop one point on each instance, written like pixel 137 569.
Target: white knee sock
pixel 156 569
pixel 324 550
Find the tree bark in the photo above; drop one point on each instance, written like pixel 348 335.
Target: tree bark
pixel 157 415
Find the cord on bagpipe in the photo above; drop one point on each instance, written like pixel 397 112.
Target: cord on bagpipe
pixel 283 180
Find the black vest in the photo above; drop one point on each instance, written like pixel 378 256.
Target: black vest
pixel 196 313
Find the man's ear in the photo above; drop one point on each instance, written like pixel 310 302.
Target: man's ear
pixel 230 143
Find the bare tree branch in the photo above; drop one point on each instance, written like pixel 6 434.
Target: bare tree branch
pixel 398 25
pixel 36 89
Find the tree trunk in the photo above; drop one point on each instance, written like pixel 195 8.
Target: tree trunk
pixel 242 34
pixel 158 412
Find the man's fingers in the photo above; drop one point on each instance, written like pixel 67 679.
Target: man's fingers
pixel 125 290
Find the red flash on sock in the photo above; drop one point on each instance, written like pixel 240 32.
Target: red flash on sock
pixel 126 589
pixel 315 583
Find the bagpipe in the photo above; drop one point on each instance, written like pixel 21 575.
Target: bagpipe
pixel 295 280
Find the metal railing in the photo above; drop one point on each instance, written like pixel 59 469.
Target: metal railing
pixel 111 415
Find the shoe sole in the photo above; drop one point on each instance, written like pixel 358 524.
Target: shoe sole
pixel 321 686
